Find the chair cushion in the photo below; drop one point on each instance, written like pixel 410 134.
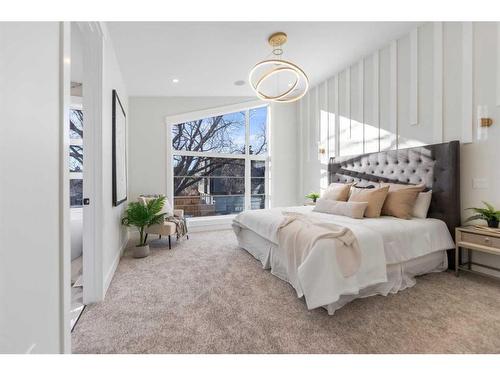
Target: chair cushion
pixel 167 228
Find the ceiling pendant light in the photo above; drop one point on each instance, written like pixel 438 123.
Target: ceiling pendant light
pixel 278 80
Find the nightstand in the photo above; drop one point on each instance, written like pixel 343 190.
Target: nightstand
pixel 472 239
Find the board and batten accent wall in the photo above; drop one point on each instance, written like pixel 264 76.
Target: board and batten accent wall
pixel 422 88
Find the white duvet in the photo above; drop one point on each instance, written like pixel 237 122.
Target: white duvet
pixel 382 241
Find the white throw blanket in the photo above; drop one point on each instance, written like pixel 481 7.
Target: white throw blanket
pixel 299 233
pixel 318 276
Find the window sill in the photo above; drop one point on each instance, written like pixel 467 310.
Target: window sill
pixel 205 223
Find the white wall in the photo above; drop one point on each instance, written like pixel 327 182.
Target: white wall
pixel 284 155
pixel 76 54
pixel 30 165
pixel 423 88
pixel 115 235
pixel 147 143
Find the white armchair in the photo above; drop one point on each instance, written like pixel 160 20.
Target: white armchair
pixel 167 228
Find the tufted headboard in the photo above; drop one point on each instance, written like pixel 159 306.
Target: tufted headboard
pixel 437 166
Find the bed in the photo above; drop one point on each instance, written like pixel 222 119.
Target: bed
pixel 394 250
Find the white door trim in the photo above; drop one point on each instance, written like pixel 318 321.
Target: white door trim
pixel 64 213
pixel 93 40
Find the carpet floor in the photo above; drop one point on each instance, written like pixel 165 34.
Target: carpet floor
pixel 206 295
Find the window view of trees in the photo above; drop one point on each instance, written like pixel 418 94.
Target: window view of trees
pixel 76 157
pixel 76 124
pixel 258 126
pixel 207 185
pixel 223 134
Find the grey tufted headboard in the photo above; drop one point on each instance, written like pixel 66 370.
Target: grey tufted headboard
pixel 437 166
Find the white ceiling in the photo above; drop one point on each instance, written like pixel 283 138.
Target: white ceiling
pixel 208 57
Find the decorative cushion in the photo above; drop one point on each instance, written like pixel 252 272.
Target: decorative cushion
pixel 351 209
pixel 337 192
pixel 374 197
pixel 167 208
pixel 422 204
pixel 401 200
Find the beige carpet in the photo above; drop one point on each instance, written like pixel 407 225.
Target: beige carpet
pixel 208 296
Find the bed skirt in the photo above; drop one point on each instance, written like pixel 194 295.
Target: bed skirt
pixel 399 276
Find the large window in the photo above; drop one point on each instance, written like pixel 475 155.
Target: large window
pixel 220 163
pixel 76 157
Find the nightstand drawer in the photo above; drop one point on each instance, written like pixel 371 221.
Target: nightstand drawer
pixel 480 239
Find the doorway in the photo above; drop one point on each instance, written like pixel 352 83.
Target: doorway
pixel 76 175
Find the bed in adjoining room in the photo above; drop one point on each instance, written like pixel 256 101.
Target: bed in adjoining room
pixel 343 248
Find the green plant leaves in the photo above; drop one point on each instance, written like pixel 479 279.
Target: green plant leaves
pixel 313 195
pixel 142 215
pixel 488 213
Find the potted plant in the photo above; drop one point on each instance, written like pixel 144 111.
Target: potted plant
pixel 313 196
pixel 141 216
pixel 490 214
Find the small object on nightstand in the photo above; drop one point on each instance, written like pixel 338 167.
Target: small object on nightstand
pixel 475 238
pixel 313 196
pixel 490 214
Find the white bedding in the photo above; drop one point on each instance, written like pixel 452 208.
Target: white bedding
pixel 403 239
pixel 382 241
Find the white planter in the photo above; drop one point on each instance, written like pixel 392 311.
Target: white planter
pixel 141 251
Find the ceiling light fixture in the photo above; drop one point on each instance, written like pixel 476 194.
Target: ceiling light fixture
pixel 175 80
pixel 278 80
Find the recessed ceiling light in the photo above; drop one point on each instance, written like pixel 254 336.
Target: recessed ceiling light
pixel 175 80
pixel 239 83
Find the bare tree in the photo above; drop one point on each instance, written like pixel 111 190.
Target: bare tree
pixel 76 158
pixel 214 134
pixel 76 123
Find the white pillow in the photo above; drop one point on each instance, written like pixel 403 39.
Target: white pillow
pixel 167 208
pixel 356 210
pixel 422 204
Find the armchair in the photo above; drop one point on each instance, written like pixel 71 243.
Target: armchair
pixel 167 228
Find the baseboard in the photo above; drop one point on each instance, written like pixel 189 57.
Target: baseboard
pixel 203 224
pixel 114 266
pixel 208 227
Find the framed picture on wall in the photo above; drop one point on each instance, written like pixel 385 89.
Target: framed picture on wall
pixel 119 152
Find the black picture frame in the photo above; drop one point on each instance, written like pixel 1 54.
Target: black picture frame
pixel 119 147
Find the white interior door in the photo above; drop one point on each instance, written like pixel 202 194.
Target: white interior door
pixel 92 171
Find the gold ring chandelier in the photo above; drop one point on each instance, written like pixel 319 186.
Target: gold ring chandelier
pixel 278 80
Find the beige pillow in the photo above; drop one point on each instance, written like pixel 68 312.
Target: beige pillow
pixel 351 209
pixel 337 192
pixel 401 200
pixel 374 197
pixel 422 204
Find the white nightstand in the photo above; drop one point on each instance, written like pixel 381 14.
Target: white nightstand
pixel 473 238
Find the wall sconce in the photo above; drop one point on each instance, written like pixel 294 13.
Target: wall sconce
pixel 321 150
pixel 483 123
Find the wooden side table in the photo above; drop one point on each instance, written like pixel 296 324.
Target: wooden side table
pixel 475 239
